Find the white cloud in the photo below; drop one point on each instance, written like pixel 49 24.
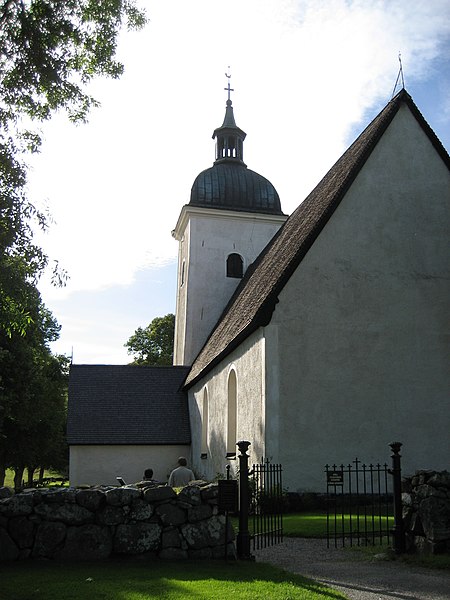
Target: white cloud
pixel 304 74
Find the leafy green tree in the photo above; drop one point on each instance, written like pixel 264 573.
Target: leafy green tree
pixel 153 345
pixel 47 447
pixel 49 51
pixel 33 392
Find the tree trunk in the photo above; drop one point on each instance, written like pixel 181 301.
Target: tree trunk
pixel 41 475
pixel 2 460
pixel 18 477
pixel 30 471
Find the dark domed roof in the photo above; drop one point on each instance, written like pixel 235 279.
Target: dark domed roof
pixel 232 186
pixel 229 184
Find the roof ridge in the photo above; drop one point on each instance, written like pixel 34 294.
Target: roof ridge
pixel 130 366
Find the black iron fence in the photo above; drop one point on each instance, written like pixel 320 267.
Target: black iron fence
pixel 267 504
pixel 260 497
pixel 364 503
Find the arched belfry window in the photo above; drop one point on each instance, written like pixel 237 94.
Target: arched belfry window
pixel 231 147
pixel 205 409
pixel 235 266
pixel 232 415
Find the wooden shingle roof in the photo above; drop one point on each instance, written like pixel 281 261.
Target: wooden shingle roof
pixel 254 300
pixel 124 404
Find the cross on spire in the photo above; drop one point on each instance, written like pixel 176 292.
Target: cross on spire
pixel 228 88
pixel 399 76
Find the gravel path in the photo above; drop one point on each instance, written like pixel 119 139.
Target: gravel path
pixel 355 576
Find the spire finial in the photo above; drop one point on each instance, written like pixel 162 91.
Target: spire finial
pixel 399 76
pixel 228 88
pixel 401 69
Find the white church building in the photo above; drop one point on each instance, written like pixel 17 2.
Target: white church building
pixel 318 337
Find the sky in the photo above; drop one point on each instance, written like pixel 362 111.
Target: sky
pixel 308 76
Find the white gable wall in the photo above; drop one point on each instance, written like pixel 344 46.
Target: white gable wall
pixel 101 464
pixel 248 363
pixel 357 349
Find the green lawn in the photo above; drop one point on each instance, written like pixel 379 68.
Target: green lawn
pixel 314 524
pixel 148 580
pixel 9 479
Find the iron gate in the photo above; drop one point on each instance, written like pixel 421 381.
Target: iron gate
pixel 364 503
pixel 266 504
pixel 261 498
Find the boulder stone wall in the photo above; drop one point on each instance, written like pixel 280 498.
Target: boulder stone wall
pixel 426 511
pixel 101 522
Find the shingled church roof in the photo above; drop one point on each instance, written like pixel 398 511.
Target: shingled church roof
pixel 124 404
pixel 255 298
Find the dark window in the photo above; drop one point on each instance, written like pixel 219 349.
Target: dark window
pixel 183 267
pixel 205 418
pixel 232 415
pixel 235 266
pixel 231 147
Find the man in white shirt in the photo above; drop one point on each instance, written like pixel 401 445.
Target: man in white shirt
pixel 181 476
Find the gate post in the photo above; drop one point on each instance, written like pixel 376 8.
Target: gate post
pixel 396 472
pixel 243 537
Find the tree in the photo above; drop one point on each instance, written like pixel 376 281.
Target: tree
pixel 154 344
pixel 49 51
pixel 47 446
pixel 33 392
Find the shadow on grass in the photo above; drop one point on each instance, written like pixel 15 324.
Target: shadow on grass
pixel 152 579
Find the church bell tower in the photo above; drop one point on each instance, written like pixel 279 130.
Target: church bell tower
pixel 233 212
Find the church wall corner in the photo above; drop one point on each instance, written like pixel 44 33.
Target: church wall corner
pixel 246 362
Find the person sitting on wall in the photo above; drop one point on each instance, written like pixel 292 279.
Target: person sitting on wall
pixel 148 475
pixel 181 476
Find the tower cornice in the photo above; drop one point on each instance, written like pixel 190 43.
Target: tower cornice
pixel 188 211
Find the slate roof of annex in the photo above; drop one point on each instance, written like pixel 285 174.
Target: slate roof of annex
pixel 124 404
pixel 254 300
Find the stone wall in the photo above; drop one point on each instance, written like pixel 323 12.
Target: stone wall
pixel 426 511
pixel 100 522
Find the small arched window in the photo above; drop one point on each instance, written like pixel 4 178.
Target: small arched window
pixel 231 147
pixel 232 415
pixel 235 266
pixel 204 449
pixel 183 272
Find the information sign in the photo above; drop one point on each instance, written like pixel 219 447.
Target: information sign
pixel 228 495
pixel 335 478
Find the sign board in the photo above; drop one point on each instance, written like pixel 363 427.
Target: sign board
pixel 335 478
pixel 228 495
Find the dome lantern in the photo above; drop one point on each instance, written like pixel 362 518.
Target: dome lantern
pixel 229 138
pixel 229 184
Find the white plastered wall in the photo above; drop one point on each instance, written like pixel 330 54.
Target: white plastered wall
pixel 248 363
pixel 92 465
pixel 181 299
pixel 357 348
pixel 207 237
